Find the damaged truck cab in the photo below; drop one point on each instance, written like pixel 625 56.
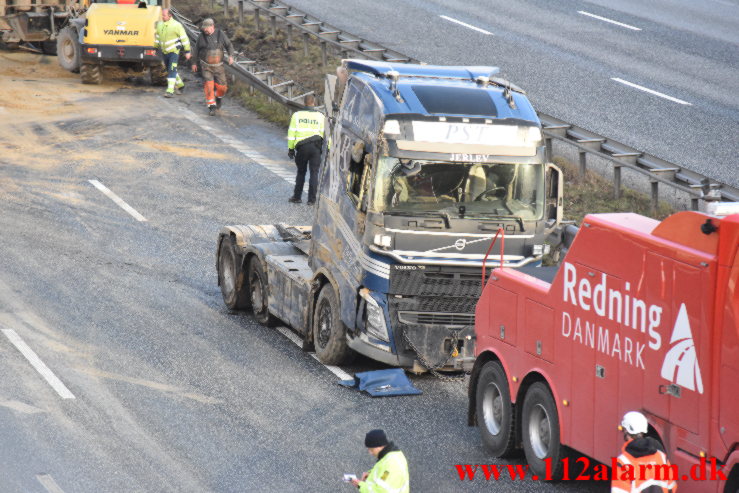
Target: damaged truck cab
pixel 422 166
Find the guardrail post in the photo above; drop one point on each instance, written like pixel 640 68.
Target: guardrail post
pixel 241 11
pixel 225 9
pixel 257 19
pixel 655 197
pixel 305 44
pixel 273 24
pixel 616 181
pixel 548 147
pixel 583 162
pixel 289 35
pixel 324 54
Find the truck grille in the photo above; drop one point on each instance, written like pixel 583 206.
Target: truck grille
pixel 434 281
pixel 436 318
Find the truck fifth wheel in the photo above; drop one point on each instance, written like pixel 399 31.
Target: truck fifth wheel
pixel 425 164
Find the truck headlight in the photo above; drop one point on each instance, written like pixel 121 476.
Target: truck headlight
pixel 375 322
pixel 383 240
pixel 541 249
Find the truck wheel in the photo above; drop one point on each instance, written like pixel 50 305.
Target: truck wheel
pixel 230 276
pixel 494 410
pixel 91 73
pixel 259 293
pixel 540 427
pixel 68 49
pixel 329 332
pixel 732 485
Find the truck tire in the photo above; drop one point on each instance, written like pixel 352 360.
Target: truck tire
pixel 329 332
pixel 230 276
pixel 732 485
pixel 494 410
pixel 540 430
pixel 259 293
pixel 68 49
pixel 91 73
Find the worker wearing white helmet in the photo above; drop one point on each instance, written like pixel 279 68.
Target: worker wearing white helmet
pixel 642 466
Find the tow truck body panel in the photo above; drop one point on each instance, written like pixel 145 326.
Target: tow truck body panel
pixel 641 315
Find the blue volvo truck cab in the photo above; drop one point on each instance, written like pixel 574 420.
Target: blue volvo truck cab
pixel 422 166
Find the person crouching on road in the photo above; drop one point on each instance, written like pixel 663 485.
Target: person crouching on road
pixel 170 37
pixel 635 467
pixel 390 472
pixel 209 50
pixel 304 143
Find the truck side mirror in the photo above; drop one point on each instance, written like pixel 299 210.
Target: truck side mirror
pixel 554 196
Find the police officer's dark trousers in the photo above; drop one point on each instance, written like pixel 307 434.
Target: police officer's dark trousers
pixel 307 155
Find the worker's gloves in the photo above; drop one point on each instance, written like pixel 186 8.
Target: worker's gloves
pixel 291 153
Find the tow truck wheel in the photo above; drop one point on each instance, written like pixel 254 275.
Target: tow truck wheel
pixel 494 410
pixel 259 293
pixel 329 332
pixel 91 73
pixel 540 427
pixel 229 275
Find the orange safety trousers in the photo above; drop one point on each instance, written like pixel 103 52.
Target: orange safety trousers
pixel 213 91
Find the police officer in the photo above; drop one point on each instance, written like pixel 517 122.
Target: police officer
pixel 390 472
pixel 635 467
pixel 304 143
pixel 170 37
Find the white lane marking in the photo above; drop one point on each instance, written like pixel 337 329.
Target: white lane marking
pixel 39 365
pixel 115 198
pixel 606 19
pixel 333 369
pixel 276 167
pixel 651 91
pixel 450 19
pixel 48 482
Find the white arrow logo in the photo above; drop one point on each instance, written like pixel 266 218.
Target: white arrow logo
pixel 681 362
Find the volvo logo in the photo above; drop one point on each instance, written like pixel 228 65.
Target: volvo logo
pixel 460 244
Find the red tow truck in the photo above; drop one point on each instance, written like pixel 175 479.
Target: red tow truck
pixel 640 315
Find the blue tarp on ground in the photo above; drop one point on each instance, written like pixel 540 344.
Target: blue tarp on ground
pixel 382 383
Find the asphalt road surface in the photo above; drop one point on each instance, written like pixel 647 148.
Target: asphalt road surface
pixel 122 370
pixel 661 76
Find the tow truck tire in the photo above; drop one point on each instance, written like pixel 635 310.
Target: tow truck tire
pixel 495 416
pixel 259 293
pixel 68 50
pixel 732 485
pixel 91 73
pixel 540 430
pixel 229 276
pixel 329 332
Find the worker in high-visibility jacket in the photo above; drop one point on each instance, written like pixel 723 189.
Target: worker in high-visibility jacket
pixel 390 472
pixel 170 37
pixel 642 466
pixel 304 143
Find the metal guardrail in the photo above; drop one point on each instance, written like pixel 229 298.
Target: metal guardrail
pixel 658 171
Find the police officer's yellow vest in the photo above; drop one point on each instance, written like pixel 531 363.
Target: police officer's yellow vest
pixel 304 124
pixel 170 36
pixel 390 475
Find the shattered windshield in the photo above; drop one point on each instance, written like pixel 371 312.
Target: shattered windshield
pixel 468 189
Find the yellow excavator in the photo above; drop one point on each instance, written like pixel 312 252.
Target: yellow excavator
pixel 87 34
pixel 114 33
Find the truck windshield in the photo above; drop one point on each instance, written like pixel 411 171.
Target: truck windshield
pixel 405 186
